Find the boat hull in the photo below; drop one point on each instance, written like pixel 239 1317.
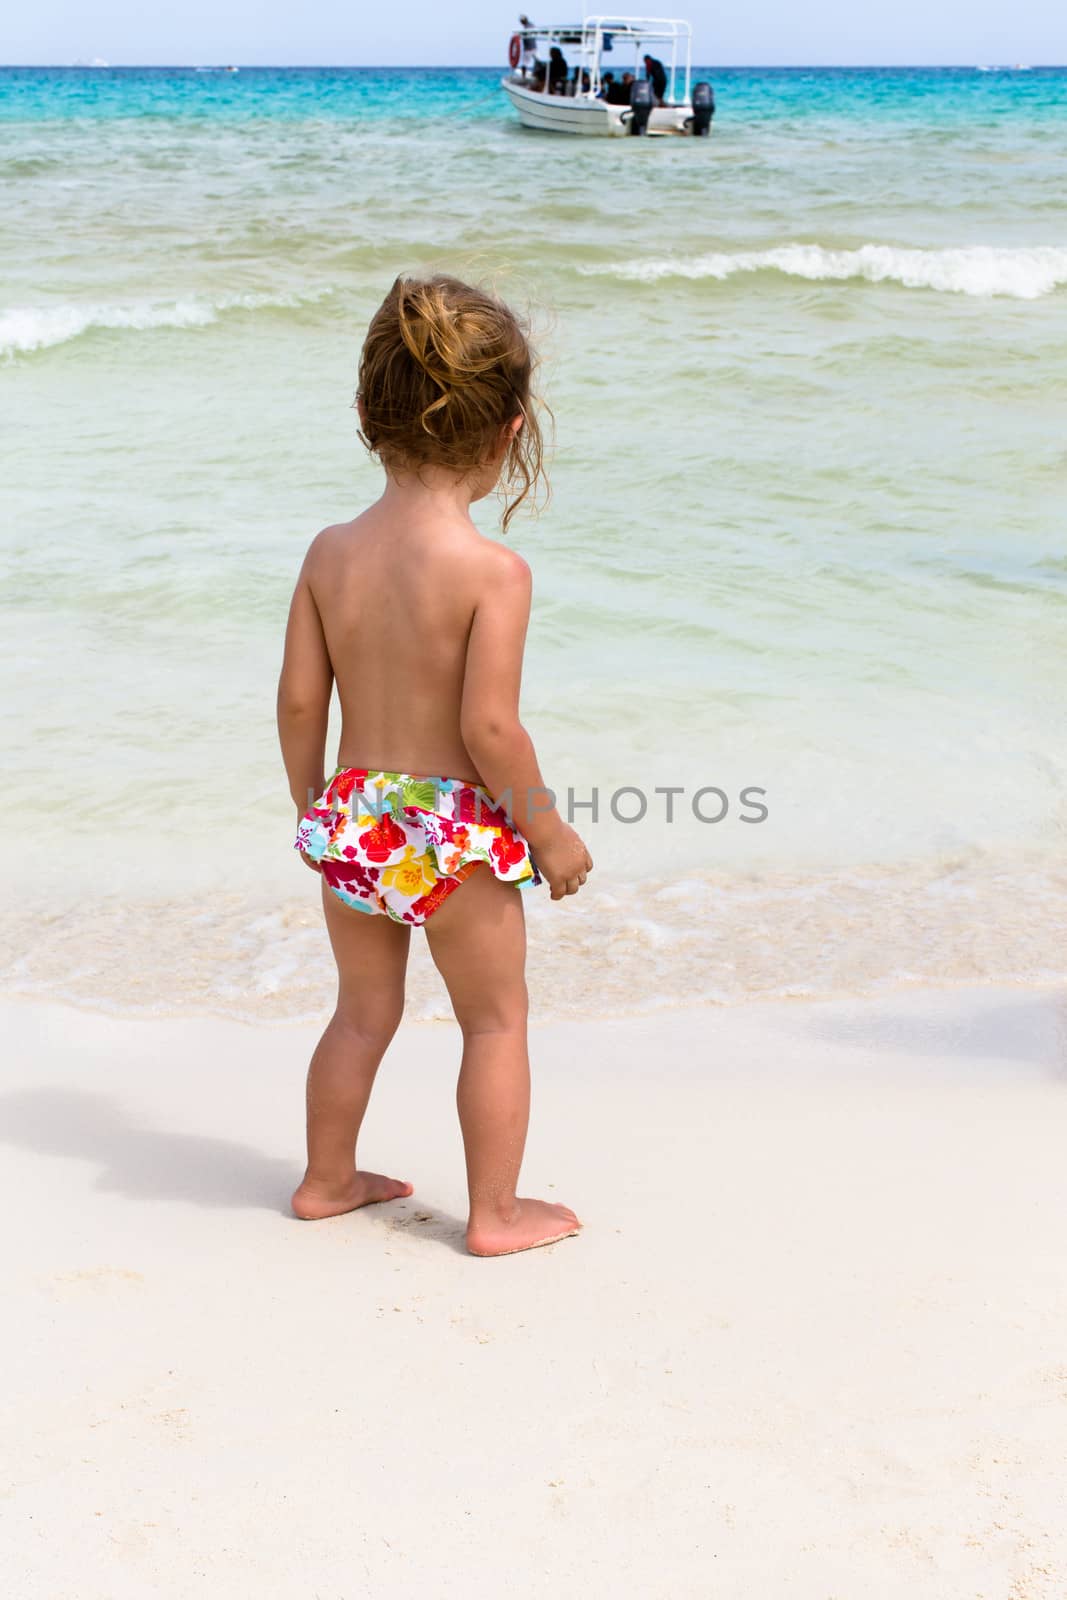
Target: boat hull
pixel 585 116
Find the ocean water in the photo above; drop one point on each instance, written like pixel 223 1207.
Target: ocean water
pixel 806 535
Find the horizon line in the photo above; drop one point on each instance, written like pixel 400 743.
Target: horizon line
pixel 488 66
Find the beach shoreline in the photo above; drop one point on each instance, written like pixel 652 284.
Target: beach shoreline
pixel 810 1335
pixel 634 946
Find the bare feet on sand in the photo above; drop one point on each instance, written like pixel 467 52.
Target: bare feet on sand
pixel 313 1201
pixel 523 1225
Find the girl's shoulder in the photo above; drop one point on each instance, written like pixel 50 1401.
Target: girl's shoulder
pixel 502 564
pixel 332 543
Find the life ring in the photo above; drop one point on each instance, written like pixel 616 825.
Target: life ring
pixel 514 51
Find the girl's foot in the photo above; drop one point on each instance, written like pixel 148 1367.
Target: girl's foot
pixel 523 1225
pixel 314 1200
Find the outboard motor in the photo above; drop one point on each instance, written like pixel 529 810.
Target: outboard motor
pixel 703 110
pixel 640 105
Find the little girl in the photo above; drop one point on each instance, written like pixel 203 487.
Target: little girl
pixel 437 812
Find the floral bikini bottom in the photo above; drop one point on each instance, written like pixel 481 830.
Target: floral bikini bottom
pixel 388 842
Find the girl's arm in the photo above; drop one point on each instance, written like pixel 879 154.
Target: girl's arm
pixel 304 690
pixel 499 745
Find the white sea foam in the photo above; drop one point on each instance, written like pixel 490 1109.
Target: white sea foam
pixel 1020 273
pixel 770 936
pixel 26 328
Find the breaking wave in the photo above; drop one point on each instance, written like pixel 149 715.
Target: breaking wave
pixel 27 328
pixel 1020 273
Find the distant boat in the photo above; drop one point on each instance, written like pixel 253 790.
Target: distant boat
pixel 218 69
pixel 580 96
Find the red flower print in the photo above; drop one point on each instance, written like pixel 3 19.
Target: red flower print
pixel 469 806
pixel 450 832
pixel 380 841
pixel 507 850
pixel 352 875
pixel 427 903
pixel 342 786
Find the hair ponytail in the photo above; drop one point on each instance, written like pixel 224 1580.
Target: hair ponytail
pixel 445 368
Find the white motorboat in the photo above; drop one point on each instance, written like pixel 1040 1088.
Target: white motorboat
pixel 560 81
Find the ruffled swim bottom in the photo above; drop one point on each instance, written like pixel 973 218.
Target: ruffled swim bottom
pixel 396 844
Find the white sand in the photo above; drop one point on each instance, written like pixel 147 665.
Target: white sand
pixel 812 1342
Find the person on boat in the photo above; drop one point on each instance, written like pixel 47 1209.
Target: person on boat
pixel 656 73
pixel 615 93
pixel 558 71
pixel 528 62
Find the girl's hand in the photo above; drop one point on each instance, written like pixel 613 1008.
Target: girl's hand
pixel 564 862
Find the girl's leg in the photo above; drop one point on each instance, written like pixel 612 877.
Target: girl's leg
pixel 371 954
pixel 478 942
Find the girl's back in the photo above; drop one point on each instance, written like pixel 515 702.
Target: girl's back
pixel 397 597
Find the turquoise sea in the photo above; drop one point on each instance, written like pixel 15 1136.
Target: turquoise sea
pixel 806 532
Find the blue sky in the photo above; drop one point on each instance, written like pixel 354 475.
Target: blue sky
pixel 475 32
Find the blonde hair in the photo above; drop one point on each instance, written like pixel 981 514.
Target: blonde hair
pixel 444 368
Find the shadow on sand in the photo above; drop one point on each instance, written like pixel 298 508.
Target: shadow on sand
pixel 988 1032
pixel 146 1164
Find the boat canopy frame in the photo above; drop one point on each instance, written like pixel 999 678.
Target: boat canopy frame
pixel 597 36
